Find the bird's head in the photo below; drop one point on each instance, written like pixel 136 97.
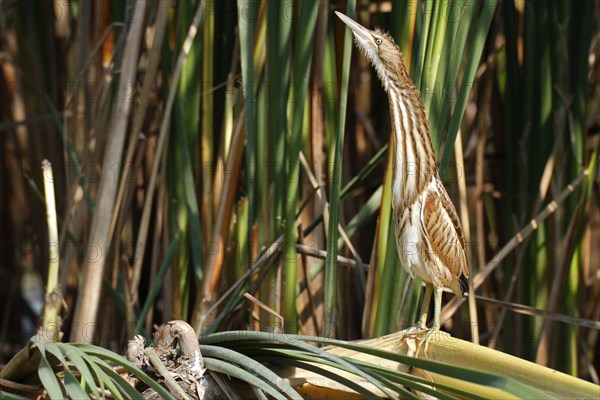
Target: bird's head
pixel 381 50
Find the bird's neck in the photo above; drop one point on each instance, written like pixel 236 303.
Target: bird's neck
pixel 413 157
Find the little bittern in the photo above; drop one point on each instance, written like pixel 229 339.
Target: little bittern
pixel 429 237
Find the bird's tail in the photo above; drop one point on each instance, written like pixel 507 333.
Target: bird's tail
pixel 460 286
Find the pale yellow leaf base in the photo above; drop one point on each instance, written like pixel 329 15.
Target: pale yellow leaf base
pixel 444 348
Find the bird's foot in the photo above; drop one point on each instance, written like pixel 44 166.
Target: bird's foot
pixel 413 337
pixel 429 334
pixel 417 338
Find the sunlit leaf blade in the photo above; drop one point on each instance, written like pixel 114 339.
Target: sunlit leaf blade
pixel 475 51
pixel 331 267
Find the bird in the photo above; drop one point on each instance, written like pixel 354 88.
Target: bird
pixel 428 233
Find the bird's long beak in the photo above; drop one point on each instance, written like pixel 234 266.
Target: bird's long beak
pixel 361 33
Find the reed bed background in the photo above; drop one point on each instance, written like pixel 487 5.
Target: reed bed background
pixel 226 163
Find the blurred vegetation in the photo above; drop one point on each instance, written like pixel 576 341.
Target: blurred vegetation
pixel 247 187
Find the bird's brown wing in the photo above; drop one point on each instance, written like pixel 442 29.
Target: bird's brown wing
pixel 442 227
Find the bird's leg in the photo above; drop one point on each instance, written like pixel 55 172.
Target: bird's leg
pixel 425 306
pixel 437 308
pixel 435 328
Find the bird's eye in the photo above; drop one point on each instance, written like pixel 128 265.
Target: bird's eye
pixel 378 42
